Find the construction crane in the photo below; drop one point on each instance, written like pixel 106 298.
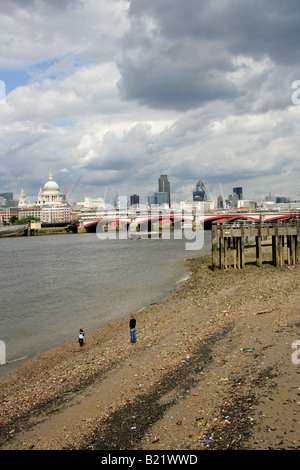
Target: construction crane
pixel 211 198
pixel 116 200
pixel 224 204
pixel 74 186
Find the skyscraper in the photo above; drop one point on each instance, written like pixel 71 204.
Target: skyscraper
pixel 239 192
pixel 164 186
pixel 200 193
pixel 134 200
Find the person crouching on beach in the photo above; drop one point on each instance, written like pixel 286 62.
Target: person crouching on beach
pixel 81 335
pixel 132 323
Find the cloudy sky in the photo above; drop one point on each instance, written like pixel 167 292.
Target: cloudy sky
pixel 113 93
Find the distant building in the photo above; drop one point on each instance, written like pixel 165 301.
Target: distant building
pixel 7 196
pixel 22 199
pixel 246 204
pixel 200 193
pixel 7 199
pixel 164 187
pixel 51 206
pixel 50 194
pixel 91 203
pixel 162 198
pixel 232 201
pixel 33 211
pixel 52 214
pixel 134 200
pixel 282 200
pixel 121 202
pixel 7 213
pixel 239 192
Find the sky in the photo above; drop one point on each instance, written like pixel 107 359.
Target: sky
pixel 110 94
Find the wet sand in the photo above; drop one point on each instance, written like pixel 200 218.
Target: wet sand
pixel 213 368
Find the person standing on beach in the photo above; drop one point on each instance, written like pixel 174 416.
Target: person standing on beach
pixel 80 337
pixel 132 323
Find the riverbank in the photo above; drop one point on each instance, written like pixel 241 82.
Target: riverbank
pixel 212 369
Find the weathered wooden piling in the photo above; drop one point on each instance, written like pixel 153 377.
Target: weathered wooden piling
pixel 228 243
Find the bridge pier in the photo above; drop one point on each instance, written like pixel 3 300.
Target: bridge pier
pixel 228 243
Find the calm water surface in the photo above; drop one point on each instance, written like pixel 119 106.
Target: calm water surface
pixel 53 285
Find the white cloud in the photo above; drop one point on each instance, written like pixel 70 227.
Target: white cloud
pixel 122 91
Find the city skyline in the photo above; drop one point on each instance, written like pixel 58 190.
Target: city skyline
pixel 112 94
pixel 162 196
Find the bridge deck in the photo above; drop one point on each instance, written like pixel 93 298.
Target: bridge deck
pixel 6 231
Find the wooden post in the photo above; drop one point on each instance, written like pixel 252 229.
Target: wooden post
pixel 289 249
pixel 275 250
pixel 229 252
pixel 225 252
pixel 234 252
pixel 242 243
pixel 297 247
pixel 214 247
pixel 276 246
pixel 238 252
pixel 281 249
pixel 221 247
pixel 242 248
pixel 293 240
pixel 282 253
pixel 258 251
pixel 258 248
pixel 221 252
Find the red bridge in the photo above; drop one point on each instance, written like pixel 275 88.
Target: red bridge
pixel 116 218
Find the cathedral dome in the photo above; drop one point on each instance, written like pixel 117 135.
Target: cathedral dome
pixel 51 185
pixel 50 195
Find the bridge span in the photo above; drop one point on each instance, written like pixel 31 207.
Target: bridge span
pixel 133 220
pixel 9 230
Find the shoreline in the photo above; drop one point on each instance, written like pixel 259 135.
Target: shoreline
pixel 212 363
pixel 175 282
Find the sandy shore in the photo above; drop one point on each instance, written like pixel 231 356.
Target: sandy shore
pixel 213 368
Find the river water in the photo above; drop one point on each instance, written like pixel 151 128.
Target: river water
pixel 53 285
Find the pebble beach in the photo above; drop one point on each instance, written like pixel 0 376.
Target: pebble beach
pixel 214 368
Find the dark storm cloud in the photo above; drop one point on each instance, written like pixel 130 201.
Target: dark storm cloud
pixel 10 5
pixel 256 27
pixel 205 89
pixel 177 55
pixel 176 77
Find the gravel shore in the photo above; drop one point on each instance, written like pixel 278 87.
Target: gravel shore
pixel 213 368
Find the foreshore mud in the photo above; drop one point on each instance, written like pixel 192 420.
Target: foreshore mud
pixel 214 367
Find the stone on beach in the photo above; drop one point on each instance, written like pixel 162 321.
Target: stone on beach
pixel 189 382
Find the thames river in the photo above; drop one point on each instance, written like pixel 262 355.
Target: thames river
pixel 53 285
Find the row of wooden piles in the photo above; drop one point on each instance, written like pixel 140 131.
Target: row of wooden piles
pixel 228 243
